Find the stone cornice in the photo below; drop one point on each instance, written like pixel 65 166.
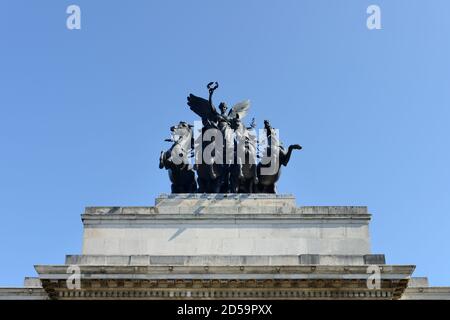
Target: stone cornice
pixel 284 282
pixel 225 209
pixel 242 219
pixel 223 260
pixel 288 272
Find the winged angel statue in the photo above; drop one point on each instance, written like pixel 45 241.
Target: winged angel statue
pixel 222 171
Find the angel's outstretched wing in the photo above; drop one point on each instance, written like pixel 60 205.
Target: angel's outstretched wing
pixel 201 107
pixel 240 109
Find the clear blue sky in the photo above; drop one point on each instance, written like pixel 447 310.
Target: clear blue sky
pixel 84 113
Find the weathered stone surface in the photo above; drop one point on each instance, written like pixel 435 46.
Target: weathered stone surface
pixel 225 281
pixel 32 282
pixel 418 282
pixel 217 260
pixel 257 224
pixel 427 293
pixel 23 294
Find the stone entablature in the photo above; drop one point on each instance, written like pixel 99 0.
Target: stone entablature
pixel 206 282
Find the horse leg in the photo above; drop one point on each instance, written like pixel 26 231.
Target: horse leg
pixel 201 185
pixel 271 188
pixel 234 179
pixel 216 185
pixel 192 186
pixel 224 179
pixel 249 186
pixel 174 188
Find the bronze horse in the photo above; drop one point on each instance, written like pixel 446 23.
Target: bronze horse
pixel 176 159
pixel 275 156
